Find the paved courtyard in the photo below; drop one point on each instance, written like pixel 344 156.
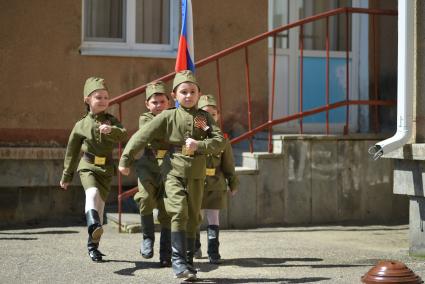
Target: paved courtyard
pixel 331 254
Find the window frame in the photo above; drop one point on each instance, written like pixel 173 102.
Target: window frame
pixel 129 47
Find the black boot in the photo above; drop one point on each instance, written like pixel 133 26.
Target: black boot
pixel 148 233
pixel 178 256
pixel 190 253
pixel 165 248
pixel 198 251
pixel 213 244
pixel 94 253
pixel 94 227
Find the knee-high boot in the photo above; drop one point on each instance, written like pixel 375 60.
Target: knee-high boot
pixel 95 232
pixel 165 248
pixel 148 236
pixel 178 256
pixel 213 244
pixel 190 254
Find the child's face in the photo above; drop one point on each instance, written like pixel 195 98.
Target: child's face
pixel 98 101
pixel 187 94
pixel 213 111
pixel 157 103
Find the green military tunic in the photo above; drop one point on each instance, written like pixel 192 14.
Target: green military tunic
pixel 96 171
pixel 220 173
pixel 185 179
pixel 150 180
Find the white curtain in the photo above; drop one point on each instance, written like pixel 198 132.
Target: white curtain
pixel 104 19
pixel 315 33
pixel 153 21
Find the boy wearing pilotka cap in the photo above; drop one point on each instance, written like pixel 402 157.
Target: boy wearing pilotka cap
pixel 191 134
pixel 150 181
pixel 220 175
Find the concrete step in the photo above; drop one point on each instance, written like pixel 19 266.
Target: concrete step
pixel 250 160
pixel 130 222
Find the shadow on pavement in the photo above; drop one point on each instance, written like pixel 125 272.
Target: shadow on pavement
pixel 262 280
pixel 18 239
pixel 258 262
pixel 273 262
pixel 138 265
pixel 59 232
pixel 320 229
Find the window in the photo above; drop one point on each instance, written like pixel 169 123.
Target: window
pixel 146 28
pixel 279 16
pixel 315 33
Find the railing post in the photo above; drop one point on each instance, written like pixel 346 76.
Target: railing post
pixel 270 148
pixel 248 93
pixel 375 76
pixel 119 174
pixel 347 77
pixel 219 93
pixel 301 75
pixel 327 74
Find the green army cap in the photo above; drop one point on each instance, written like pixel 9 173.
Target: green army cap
pixel 206 100
pixel 92 84
pixel 183 77
pixel 157 87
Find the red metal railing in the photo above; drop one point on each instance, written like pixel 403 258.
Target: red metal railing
pixel 215 58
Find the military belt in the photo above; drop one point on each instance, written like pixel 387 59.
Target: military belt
pixel 159 154
pixel 183 150
pixel 96 160
pixel 212 171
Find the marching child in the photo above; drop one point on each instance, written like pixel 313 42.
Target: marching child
pixel 151 182
pixel 191 134
pixel 96 135
pixel 220 175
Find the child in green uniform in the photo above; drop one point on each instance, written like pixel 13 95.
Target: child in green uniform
pixel 220 175
pixel 191 134
pixel 150 181
pixel 96 135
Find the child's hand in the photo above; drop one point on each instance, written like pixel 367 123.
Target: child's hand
pixel 64 185
pixel 105 128
pixel 191 144
pixel 124 171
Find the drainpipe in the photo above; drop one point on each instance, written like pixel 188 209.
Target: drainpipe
pixel 404 83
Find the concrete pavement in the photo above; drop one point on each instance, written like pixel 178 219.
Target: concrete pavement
pixel 329 254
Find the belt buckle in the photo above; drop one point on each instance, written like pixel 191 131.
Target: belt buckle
pixel 186 151
pixel 160 154
pixel 210 172
pixel 99 160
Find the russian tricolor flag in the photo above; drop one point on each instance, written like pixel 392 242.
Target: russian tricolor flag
pixel 185 55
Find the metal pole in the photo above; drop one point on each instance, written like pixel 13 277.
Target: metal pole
pixel 248 93
pixel 273 94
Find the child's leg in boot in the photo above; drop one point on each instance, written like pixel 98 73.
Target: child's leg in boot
pixel 190 254
pixel 165 248
pixel 92 208
pixel 146 200
pixel 175 204
pixel 94 205
pixel 165 238
pixel 148 233
pixel 213 236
